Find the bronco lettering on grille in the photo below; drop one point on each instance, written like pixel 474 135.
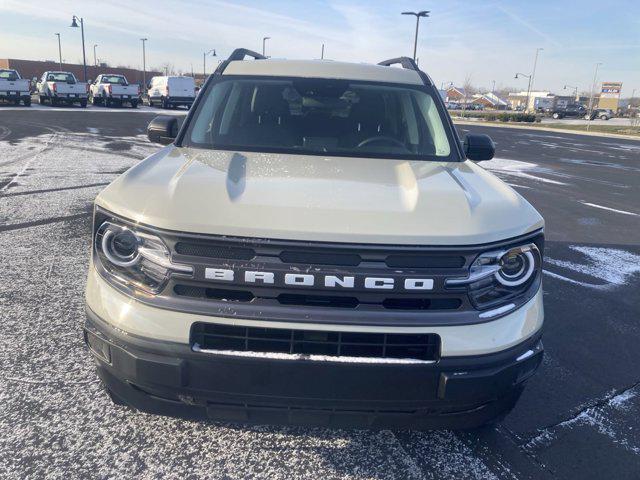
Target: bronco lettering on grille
pixel 311 280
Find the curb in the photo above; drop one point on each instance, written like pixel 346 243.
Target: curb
pixel 558 130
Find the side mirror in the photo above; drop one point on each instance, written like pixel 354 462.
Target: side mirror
pixel 479 147
pixel 163 129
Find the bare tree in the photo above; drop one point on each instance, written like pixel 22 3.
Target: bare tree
pixel 467 86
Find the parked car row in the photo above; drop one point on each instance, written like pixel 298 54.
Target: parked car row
pixel 580 111
pixel 461 106
pixel 107 90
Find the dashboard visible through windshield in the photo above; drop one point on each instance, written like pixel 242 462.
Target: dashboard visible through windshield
pixel 320 116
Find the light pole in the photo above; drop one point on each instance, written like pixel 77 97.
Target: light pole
pixel 493 87
pixel 528 88
pixel 535 63
pixel 575 91
pixel 593 86
pixel 74 24
pixel 204 63
pixel 322 53
pixel 264 44
pixel 95 57
pixel 59 50
pixel 418 15
pixel 144 65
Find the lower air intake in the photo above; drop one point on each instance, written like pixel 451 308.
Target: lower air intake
pixel 425 347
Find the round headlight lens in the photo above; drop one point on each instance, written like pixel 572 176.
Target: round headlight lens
pixel 120 246
pixel 516 267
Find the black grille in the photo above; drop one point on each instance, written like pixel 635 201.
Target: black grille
pixel 315 300
pixel 213 293
pixel 214 251
pixel 316 342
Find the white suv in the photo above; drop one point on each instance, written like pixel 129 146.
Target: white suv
pixel 315 245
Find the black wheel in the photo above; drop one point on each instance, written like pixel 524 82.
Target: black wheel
pixel 27 102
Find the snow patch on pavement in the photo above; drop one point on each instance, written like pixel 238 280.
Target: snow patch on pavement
pixel 596 416
pixel 517 168
pixel 612 266
pixel 602 207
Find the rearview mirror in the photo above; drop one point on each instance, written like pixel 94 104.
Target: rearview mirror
pixel 479 147
pixel 163 129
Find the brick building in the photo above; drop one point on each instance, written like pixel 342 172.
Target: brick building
pixel 34 68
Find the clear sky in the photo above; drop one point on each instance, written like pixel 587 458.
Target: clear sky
pixel 483 40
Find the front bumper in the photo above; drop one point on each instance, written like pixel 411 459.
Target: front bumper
pixel 180 100
pixel 14 95
pixel 169 378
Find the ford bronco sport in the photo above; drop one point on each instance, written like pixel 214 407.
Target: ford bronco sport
pixel 315 245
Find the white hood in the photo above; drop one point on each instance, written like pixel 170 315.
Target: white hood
pixel 316 198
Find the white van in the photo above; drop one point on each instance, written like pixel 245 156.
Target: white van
pixel 169 92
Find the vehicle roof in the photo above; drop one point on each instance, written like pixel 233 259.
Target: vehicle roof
pixel 323 69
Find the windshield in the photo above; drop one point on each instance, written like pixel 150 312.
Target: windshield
pixel 10 75
pixel 115 79
pixel 319 116
pixel 61 77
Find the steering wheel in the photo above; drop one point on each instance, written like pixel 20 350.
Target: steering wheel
pixel 383 139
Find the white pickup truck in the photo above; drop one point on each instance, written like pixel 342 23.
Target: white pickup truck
pixel 109 89
pixel 62 87
pixel 13 88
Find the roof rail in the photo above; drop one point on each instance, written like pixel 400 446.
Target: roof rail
pixel 406 62
pixel 409 64
pixel 238 54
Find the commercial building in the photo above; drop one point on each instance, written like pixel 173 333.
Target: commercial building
pixel 518 100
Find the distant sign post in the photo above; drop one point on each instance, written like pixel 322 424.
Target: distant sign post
pixel 610 95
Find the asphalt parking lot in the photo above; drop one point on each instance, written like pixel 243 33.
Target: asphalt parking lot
pixel 578 418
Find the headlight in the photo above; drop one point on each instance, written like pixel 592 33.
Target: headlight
pixel 134 258
pixel 502 280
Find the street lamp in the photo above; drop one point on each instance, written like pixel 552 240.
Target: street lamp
pixel 593 86
pixel 95 58
pixel 264 42
pixel 59 50
pixel 74 24
pixel 528 87
pixel 322 53
pixel 418 15
pixel 575 91
pixel 204 62
pixel 535 63
pixel 144 65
